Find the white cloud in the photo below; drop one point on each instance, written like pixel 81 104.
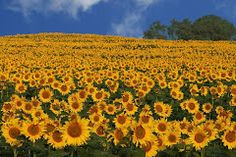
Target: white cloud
pixel 131 24
pixel 71 7
pixel 227 7
pixel 145 3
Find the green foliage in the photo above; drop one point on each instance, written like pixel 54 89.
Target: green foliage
pixel 212 28
pixel 180 29
pixel 155 31
pixel 208 27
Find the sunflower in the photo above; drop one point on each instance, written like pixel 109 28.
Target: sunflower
pixel 204 90
pixel 229 138
pixel 225 115
pixel 183 105
pixel 174 85
pixel 98 95
pixel 55 84
pixel 160 143
pixel 7 107
pixel 64 89
pixel 49 127
pixel 117 135
pixel 11 131
pixel 90 89
pixel 141 93
pixel 161 77
pixel 198 138
pixel 194 90
pixel 35 102
pixel 82 95
pixel 134 82
pixel 20 87
pixel 172 138
pixel 42 82
pixel 95 109
pixel 233 90
pixel 33 83
pixel 122 121
pixel 19 102
pixel 159 108
pixel 192 106
pixel 210 130
pixel 127 97
pixel 96 118
pixel 233 101
pixel 146 119
pixel 100 130
pixel 89 80
pixel 199 117
pixel 213 91
pixel 28 107
pixel 45 95
pixel 33 130
pixel 161 126
pixel 162 110
pixel 150 148
pixel 56 139
pixel 109 82
pixel 162 84
pixel 175 94
pixel 38 114
pixel 207 107
pixel 67 79
pixel 76 132
pixel 110 109
pixel 150 83
pixel 37 75
pixel 220 125
pixel 141 134
pixel 55 107
pixel 50 79
pixel 233 125
pixel 130 108
pixel 183 125
pixel 219 109
pixel 168 111
pixel 75 105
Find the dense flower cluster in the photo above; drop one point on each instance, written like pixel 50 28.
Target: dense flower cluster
pixel 154 94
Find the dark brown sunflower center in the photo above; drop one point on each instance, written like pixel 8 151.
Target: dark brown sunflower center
pixel 74 130
pixel 14 132
pixel 140 132
pixel 199 137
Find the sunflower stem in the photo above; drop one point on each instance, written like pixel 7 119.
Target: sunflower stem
pixel 14 152
pixel 29 153
pixel 72 154
pixel 34 154
pixel 203 152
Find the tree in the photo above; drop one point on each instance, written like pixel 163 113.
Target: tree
pixel 156 31
pixel 213 27
pixel 180 29
pixel 208 27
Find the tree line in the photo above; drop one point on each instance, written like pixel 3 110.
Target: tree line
pixel 209 27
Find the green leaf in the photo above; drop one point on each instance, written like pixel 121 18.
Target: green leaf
pixel 195 154
pixel 58 153
pixel 137 153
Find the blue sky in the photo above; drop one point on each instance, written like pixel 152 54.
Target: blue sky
pixel 114 17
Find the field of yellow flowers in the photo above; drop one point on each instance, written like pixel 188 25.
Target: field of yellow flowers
pixel 68 95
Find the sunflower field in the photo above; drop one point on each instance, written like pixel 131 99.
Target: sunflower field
pixel 70 95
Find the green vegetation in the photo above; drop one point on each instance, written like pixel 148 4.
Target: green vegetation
pixel 208 27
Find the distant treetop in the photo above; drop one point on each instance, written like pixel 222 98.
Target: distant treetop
pixel 209 27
